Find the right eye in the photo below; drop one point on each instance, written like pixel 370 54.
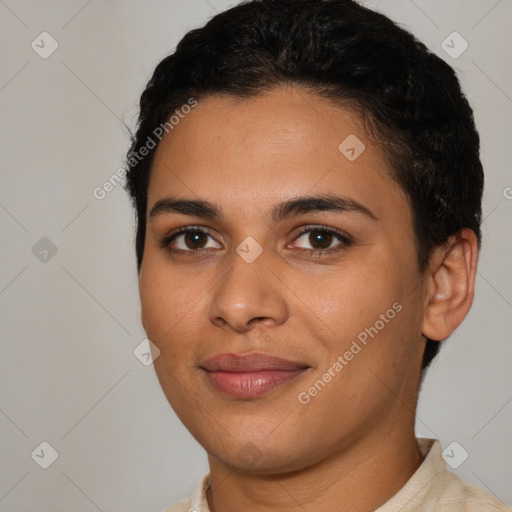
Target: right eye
pixel 188 239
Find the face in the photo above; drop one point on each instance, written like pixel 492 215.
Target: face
pixel 289 316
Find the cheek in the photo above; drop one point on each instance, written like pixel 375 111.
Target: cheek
pixel 167 300
pixel 370 314
pixel 352 299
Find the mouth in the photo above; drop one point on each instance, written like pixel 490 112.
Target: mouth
pixel 251 374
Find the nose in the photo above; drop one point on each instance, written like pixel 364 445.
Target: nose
pixel 249 294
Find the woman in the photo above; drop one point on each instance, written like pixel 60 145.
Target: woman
pixel 308 188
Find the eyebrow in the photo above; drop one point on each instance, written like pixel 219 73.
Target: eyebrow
pixel 297 206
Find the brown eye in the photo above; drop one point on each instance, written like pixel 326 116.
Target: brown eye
pixel 195 239
pixel 321 240
pixel 188 239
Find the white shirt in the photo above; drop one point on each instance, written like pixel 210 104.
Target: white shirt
pixel 431 488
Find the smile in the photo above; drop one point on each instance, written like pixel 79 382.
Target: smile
pixel 250 375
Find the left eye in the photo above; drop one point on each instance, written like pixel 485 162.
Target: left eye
pixel 321 239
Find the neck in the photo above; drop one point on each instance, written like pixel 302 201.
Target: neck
pixel 359 478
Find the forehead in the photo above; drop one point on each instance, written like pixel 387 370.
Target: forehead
pixel 260 151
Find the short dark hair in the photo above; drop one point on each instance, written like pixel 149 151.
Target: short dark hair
pixel 410 98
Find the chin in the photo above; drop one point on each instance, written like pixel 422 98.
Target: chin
pixel 258 453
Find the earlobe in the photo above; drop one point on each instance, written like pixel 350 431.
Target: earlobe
pixel 450 286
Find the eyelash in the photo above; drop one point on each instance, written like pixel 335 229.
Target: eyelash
pixel 342 237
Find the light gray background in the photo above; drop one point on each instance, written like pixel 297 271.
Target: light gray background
pixel 68 375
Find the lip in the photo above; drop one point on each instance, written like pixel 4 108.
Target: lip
pixel 251 374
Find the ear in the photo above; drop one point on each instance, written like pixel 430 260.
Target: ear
pixel 450 285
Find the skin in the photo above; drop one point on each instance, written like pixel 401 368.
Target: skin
pixel 246 157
